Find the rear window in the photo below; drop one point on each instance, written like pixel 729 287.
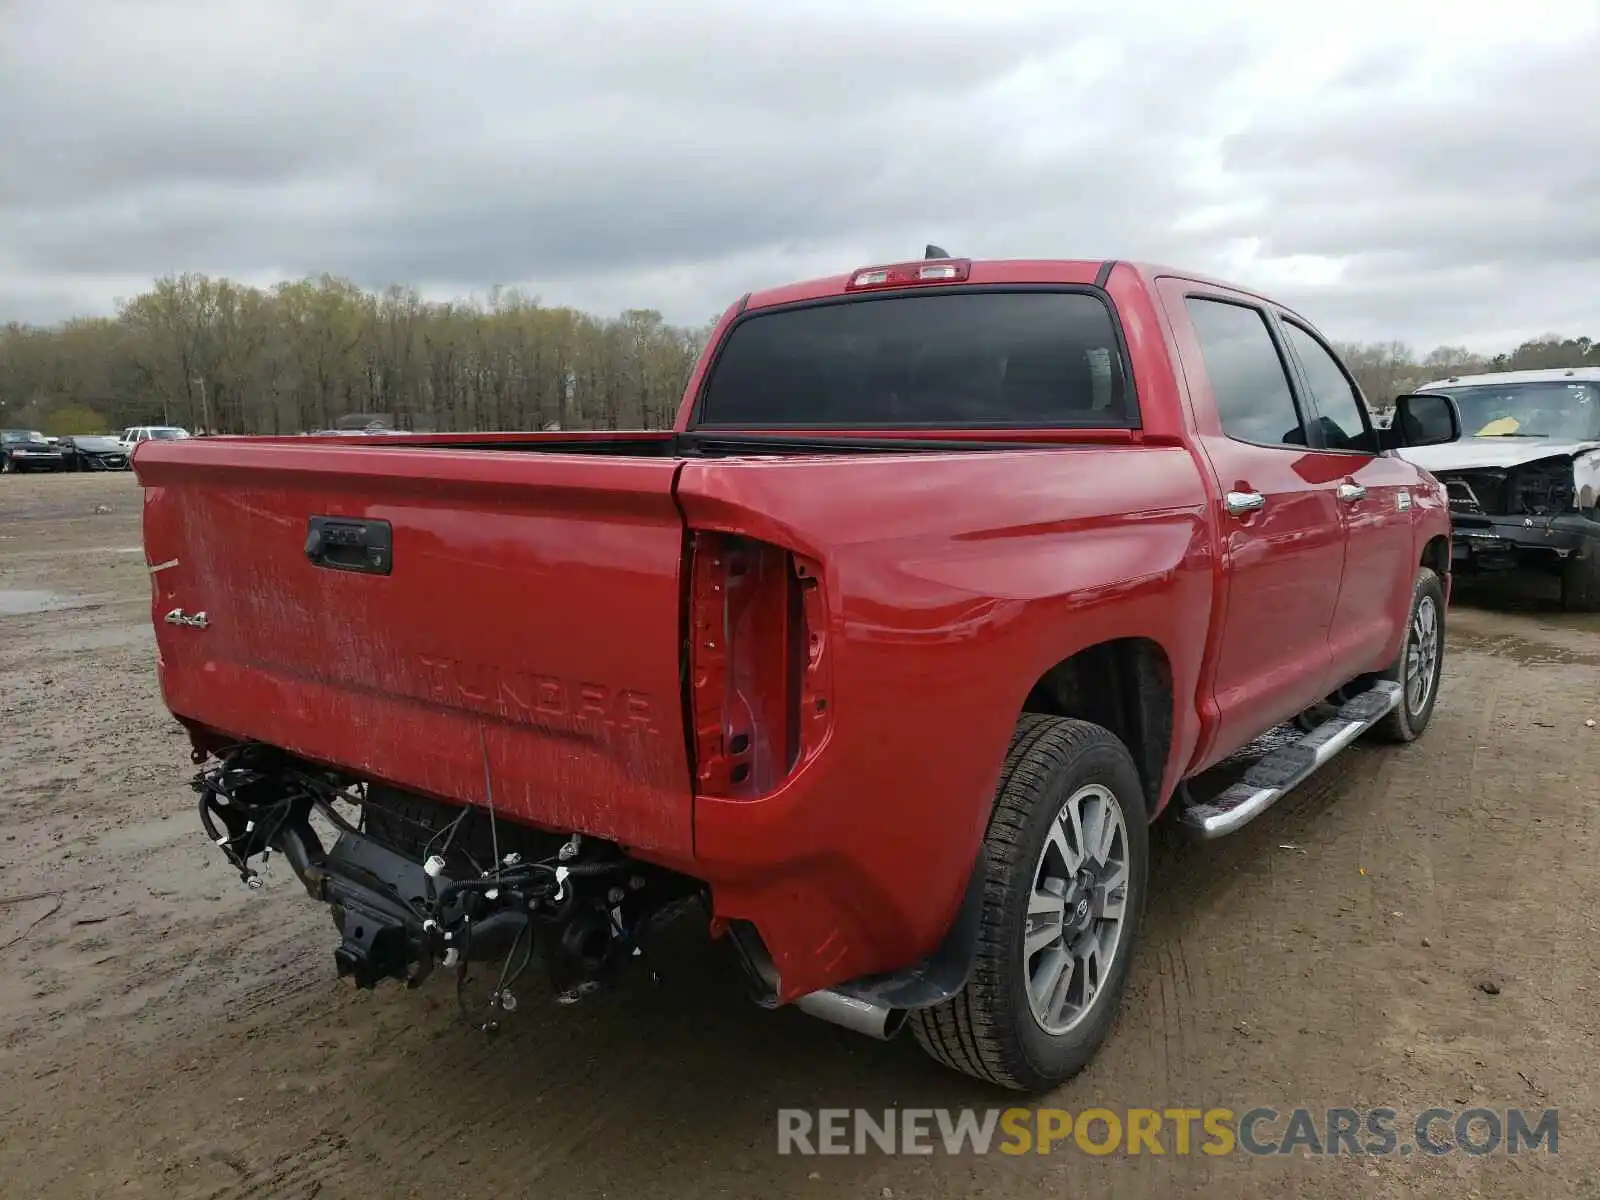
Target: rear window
pixel 978 359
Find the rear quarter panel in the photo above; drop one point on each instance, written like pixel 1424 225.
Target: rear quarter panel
pixel 953 582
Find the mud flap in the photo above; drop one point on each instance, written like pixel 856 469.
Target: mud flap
pixel 944 972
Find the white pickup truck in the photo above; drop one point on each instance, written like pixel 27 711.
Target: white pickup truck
pixel 1524 479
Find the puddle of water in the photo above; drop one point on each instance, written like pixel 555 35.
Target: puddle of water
pixel 1524 650
pixel 26 602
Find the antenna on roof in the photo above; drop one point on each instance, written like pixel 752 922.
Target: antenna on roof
pixel 933 251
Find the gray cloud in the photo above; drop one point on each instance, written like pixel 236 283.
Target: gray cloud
pixel 1422 184
pixel 1498 166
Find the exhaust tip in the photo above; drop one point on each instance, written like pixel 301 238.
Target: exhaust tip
pixel 863 1016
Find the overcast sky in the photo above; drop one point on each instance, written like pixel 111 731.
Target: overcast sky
pixel 1405 169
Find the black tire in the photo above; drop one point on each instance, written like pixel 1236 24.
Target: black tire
pixel 988 1029
pixel 1580 579
pixel 1408 719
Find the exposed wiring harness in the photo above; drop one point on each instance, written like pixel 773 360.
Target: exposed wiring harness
pixel 246 803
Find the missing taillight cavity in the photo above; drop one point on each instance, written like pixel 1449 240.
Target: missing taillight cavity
pixel 755 651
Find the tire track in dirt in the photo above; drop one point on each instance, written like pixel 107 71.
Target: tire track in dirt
pixel 1424 978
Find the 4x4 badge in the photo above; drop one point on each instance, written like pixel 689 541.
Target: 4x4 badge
pixel 192 620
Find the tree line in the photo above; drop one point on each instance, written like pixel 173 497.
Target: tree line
pixel 228 358
pixel 224 357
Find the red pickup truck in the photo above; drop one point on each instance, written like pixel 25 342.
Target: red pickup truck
pixel 950 577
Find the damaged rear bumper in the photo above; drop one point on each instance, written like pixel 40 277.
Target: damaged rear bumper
pixel 377 898
pixel 374 895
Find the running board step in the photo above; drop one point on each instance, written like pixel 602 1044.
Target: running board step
pixel 1268 780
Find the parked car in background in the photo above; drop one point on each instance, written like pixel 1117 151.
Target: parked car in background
pixel 1524 480
pixel 93 452
pixel 135 434
pixel 27 450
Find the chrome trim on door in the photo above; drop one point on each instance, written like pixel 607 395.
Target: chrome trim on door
pixel 1239 503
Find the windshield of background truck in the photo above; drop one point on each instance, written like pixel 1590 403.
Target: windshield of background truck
pixel 976 359
pixel 1563 410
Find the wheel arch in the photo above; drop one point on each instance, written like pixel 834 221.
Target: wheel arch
pixel 1436 555
pixel 1126 685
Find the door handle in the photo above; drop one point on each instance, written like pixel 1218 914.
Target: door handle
pixel 349 544
pixel 1239 503
pixel 1351 492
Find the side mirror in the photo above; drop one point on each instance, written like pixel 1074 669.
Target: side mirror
pixel 1424 419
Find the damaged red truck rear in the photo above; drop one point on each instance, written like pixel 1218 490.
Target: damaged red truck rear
pixel 950 576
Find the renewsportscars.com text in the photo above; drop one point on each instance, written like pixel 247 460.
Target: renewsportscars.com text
pixel 1370 1132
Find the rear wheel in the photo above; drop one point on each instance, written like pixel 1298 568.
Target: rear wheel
pixel 1420 662
pixel 1068 860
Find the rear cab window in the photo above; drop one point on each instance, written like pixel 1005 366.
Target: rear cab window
pixel 981 359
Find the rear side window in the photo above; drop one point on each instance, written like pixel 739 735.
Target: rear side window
pixel 974 359
pixel 1247 376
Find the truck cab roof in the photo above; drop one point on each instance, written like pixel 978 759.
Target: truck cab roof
pixel 998 271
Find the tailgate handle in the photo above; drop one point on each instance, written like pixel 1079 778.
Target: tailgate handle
pixel 350 544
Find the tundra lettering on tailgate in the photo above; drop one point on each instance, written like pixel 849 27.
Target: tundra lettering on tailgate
pixel 589 710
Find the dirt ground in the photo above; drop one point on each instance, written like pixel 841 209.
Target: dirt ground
pixel 165 1032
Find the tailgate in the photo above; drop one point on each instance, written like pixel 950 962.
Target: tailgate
pixel 435 618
